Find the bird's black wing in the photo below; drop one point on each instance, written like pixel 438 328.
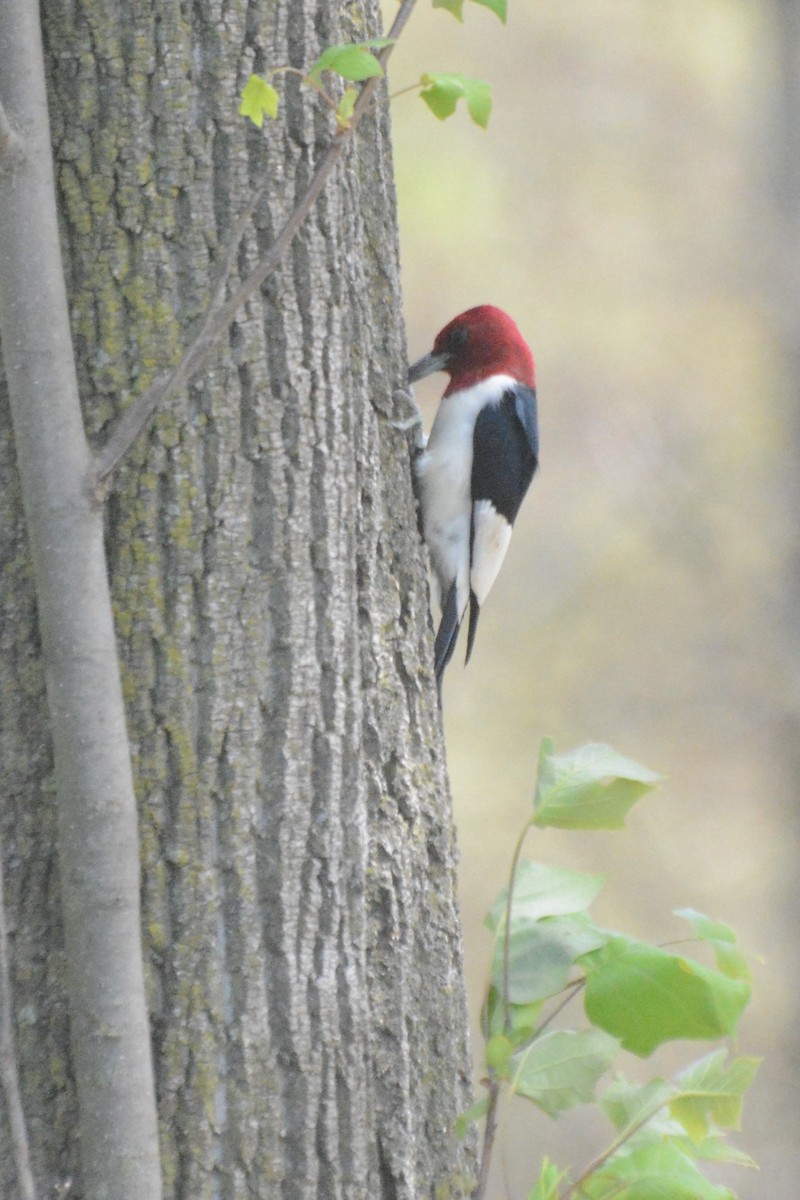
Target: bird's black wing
pixel 505 456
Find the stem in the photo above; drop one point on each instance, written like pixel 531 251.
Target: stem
pixel 573 989
pixel 490 1129
pixel 320 90
pixel 218 317
pixel 619 1140
pixel 507 927
pixel 489 1134
pixel 412 87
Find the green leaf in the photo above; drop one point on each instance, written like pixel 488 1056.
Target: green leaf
pixel 522 1018
pixel 456 7
pixel 711 1091
pixel 561 1069
pixel 470 1116
pixel 629 1104
pixel 452 6
pixel 344 109
pixel 544 891
pixel 353 62
pixel 258 98
pixel 592 787
pixel 652 1173
pixel 377 43
pixel 626 1104
pixel 498 1054
pixel 548 1182
pixel 442 92
pixel 541 953
pixel 715 1148
pixel 646 996
pixel 722 939
pixel 547 932
pixel 498 7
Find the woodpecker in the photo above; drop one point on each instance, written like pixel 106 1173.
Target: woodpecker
pixel 478 462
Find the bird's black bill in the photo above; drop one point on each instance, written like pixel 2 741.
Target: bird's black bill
pixel 427 366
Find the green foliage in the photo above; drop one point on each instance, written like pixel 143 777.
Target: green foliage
pixel 646 996
pixel 650 1173
pixel 499 1051
pixel 547 948
pixel 548 1182
pixel 721 939
pixel 561 1069
pixel 344 109
pixel 589 788
pixel 544 891
pixel 259 99
pixel 353 62
pixel 442 92
pixel 541 953
pixel 456 7
pixel 711 1094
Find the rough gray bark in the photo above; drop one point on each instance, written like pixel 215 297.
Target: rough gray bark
pixel 97 839
pixel 298 864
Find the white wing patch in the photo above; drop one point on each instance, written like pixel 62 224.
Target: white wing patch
pixel 491 535
pixel 444 470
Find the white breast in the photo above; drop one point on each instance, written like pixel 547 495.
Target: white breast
pixel 444 471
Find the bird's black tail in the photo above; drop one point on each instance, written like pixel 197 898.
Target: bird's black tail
pixel 474 613
pixel 446 637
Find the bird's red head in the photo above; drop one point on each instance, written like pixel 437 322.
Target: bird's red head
pixel 482 341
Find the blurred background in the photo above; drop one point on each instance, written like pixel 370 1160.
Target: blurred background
pixel 634 205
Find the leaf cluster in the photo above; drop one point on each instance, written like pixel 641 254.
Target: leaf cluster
pixel 456 7
pixel 356 62
pixel 548 950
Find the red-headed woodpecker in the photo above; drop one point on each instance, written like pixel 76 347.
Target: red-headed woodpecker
pixel 478 462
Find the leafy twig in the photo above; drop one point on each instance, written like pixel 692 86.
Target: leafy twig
pixel 572 990
pixel 219 316
pixel 493 1085
pixel 507 927
pixel 618 1141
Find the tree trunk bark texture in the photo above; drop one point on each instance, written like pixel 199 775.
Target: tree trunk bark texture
pixel 98 844
pixel 303 952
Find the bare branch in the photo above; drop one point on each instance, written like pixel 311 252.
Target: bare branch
pixel 9 1075
pixel 219 315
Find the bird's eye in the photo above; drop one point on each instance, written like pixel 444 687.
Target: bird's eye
pixel 457 338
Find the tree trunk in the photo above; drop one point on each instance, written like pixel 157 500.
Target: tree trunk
pixel 97 834
pixel 303 958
